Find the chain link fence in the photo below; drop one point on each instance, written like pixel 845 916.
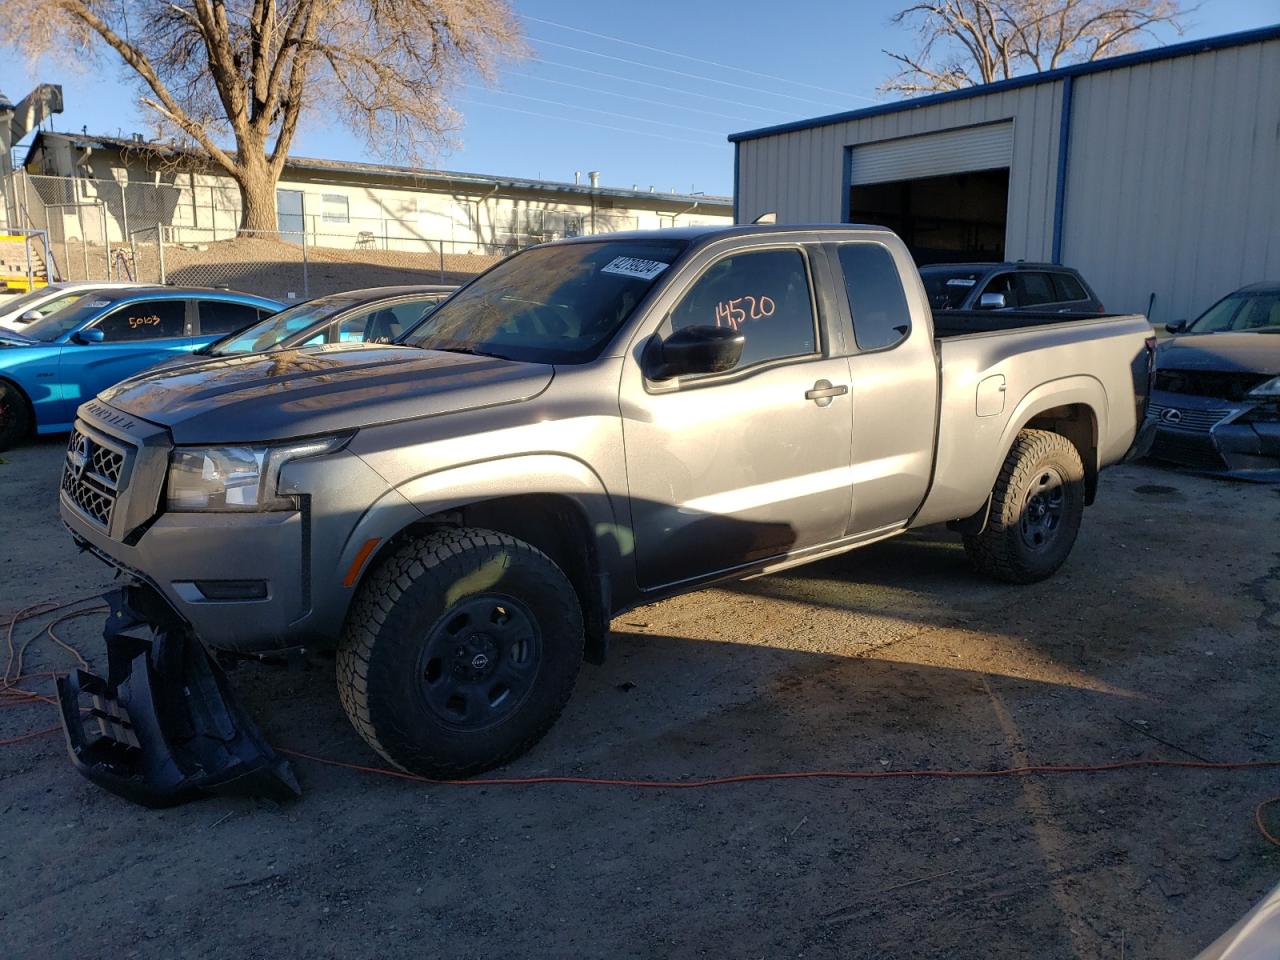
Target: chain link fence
pixel 188 235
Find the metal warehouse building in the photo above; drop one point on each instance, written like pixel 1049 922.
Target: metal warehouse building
pixel 1153 173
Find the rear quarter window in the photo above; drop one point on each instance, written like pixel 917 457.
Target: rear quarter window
pixel 881 317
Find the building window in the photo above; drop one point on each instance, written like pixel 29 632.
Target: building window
pixel 333 208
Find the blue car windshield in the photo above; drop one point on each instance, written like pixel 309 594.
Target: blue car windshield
pixel 561 303
pixel 273 330
pixel 59 324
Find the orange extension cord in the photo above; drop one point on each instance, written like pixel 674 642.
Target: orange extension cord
pixel 12 695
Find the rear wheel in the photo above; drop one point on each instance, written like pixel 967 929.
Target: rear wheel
pixel 15 416
pixel 460 651
pixel 1036 509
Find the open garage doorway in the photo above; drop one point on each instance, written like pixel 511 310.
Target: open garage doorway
pixel 953 218
pixel 945 193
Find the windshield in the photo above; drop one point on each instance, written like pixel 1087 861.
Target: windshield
pixel 555 304
pixel 21 304
pixel 1255 312
pixel 946 288
pixel 57 324
pixel 266 334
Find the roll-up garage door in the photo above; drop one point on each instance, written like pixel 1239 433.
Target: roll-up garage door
pixel 987 147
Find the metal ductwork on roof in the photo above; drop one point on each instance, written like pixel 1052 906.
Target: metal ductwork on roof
pixel 16 121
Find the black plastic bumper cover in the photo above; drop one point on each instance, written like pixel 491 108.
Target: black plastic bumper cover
pixel 164 727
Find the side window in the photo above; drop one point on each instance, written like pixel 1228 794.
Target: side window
pixel 1002 284
pixel 221 317
pixel 1034 288
pixel 382 324
pixel 881 317
pixel 1067 288
pixel 765 295
pixel 146 320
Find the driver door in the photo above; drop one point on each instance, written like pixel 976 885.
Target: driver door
pixel 735 468
pixel 134 336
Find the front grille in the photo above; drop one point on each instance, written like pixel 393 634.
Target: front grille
pixel 1210 383
pixel 91 476
pixel 1189 449
pixel 1189 419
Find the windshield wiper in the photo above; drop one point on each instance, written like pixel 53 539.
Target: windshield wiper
pixel 461 348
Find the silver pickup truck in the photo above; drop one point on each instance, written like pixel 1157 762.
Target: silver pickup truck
pixel 591 425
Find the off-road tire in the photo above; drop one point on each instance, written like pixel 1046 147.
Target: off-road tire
pixel 15 416
pixel 1001 551
pixel 391 623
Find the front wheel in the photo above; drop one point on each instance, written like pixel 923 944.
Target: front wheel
pixel 1036 508
pixel 460 651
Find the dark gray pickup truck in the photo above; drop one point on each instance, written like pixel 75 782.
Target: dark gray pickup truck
pixel 591 425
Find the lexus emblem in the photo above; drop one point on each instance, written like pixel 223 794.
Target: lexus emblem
pixel 1171 416
pixel 79 456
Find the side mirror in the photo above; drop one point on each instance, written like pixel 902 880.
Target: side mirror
pixel 31 316
pixel 1176 327
pixel 991 301
pixel 698 349
pixel 92 335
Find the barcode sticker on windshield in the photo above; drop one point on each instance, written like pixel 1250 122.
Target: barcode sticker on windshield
pixel 961 282
pixel 635 267
pixel 100 303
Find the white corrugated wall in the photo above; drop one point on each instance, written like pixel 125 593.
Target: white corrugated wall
pixel 800 175
pixel 1173 179
pixel 1173 175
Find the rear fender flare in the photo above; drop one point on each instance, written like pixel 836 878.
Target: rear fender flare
pixel 1082 390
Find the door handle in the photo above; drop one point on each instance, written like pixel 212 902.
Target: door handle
pixel 822 392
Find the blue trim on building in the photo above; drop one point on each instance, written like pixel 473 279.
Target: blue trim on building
pixel 1064 149
pixel 1191 47
pixel 846 184
pixel 736 159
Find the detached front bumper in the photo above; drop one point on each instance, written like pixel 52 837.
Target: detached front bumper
pixel 164 727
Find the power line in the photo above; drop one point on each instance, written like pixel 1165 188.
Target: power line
pixel 682 73
pixel 702 60
pixel 590 123
pixel 627 96
pixel 607 113
pixel 660 86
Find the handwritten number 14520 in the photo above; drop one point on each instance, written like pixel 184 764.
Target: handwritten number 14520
pixel 734 313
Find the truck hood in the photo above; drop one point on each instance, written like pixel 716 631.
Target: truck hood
pixel 316 390
pixel 1226 352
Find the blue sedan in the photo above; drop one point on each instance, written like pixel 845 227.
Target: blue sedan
pixel 66 358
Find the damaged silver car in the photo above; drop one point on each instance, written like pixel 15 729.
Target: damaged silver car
pixel 1216 401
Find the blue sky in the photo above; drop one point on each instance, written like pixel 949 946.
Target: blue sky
pixel 652 111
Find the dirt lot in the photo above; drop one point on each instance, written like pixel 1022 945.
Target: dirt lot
pixel 1162 625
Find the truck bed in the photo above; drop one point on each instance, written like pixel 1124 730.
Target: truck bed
pixel 994 366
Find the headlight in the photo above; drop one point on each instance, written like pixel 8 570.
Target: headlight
pixel 1267 391
pixel 236 478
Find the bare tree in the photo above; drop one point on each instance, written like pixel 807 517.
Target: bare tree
pixel 249 71
pixel 966 42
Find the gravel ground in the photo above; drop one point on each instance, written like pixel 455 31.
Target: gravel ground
pixel 1156 640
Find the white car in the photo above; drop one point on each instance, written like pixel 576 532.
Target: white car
pixel 18 312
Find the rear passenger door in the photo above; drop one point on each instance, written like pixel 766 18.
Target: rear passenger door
pixel 134 336
pixel 893 377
